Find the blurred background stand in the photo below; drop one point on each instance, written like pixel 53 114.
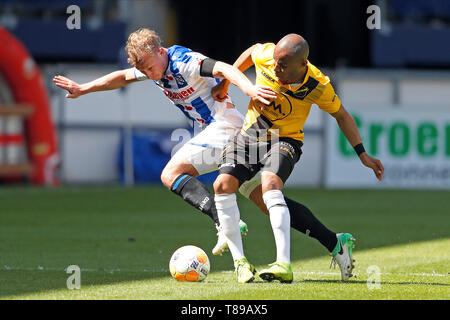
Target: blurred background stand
pixel 402 69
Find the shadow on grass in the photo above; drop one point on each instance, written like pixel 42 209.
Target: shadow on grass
pixel 93 227
pixel 18 282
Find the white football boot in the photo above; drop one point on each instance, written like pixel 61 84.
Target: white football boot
pixel 222 244
pixel 342 255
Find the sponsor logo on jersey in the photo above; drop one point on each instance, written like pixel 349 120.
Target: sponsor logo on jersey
pixel 181 83
pixel 182 95
pixel 279 108
pixel 166 83
pixel 267 77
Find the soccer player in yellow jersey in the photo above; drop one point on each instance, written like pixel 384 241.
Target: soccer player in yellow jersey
pixel 270 141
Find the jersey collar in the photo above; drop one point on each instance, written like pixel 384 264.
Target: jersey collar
pixel 295 86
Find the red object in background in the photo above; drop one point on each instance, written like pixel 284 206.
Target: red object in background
pixel 6 139
pixel 26 83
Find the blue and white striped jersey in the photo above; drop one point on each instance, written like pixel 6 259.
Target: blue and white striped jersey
pixel 184 86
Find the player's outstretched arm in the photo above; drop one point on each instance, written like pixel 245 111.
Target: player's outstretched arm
pixel 111 81
pixel 243 62
pixel 348 126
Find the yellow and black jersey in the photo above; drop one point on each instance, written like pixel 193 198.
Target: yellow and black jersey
pixel 286 115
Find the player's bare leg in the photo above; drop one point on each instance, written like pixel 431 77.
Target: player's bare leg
pixel 174 168
pixel 256 197
pixel 180 177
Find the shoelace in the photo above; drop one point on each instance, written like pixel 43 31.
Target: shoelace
pixel 239 267
pixel 333 262
pixel 240 264
pixel 276 264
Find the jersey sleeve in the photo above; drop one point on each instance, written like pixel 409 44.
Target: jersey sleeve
pixel 139 75
pixel 329 101
pixel 262 53
pixel 189 67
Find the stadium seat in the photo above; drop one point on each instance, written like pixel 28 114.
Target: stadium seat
pixel 420 8
pixel 411 45
pixel 100 45
pixel 48 4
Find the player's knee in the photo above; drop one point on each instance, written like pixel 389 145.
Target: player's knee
pixel 271 182
pixel 225 184
pixel 268 186
pixel 165 178
pixel 168 176
pixel 220 187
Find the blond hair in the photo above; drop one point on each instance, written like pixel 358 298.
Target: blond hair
pixel 140 42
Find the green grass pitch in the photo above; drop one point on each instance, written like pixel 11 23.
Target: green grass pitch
pixel 123 238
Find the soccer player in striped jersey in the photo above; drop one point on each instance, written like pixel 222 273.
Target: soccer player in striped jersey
pixel 186 78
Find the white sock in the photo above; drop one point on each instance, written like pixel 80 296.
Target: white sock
pixel 228 214
pixel 280 220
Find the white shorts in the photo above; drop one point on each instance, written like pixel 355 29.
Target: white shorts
pixel 204 150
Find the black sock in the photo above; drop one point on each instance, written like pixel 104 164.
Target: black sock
pixel 303 220
pixel 196 194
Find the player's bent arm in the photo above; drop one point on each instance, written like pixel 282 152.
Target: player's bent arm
pixel 232 74
pixel 235 76
pixel 243 62
pixel 347 125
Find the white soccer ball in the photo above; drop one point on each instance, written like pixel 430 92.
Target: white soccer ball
pixel 189 263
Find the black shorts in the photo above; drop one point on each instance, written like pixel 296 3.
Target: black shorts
pixel 243 157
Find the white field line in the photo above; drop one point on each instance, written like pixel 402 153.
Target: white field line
pixel 112 271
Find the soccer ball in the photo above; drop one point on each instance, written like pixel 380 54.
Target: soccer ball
pixel 189 263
